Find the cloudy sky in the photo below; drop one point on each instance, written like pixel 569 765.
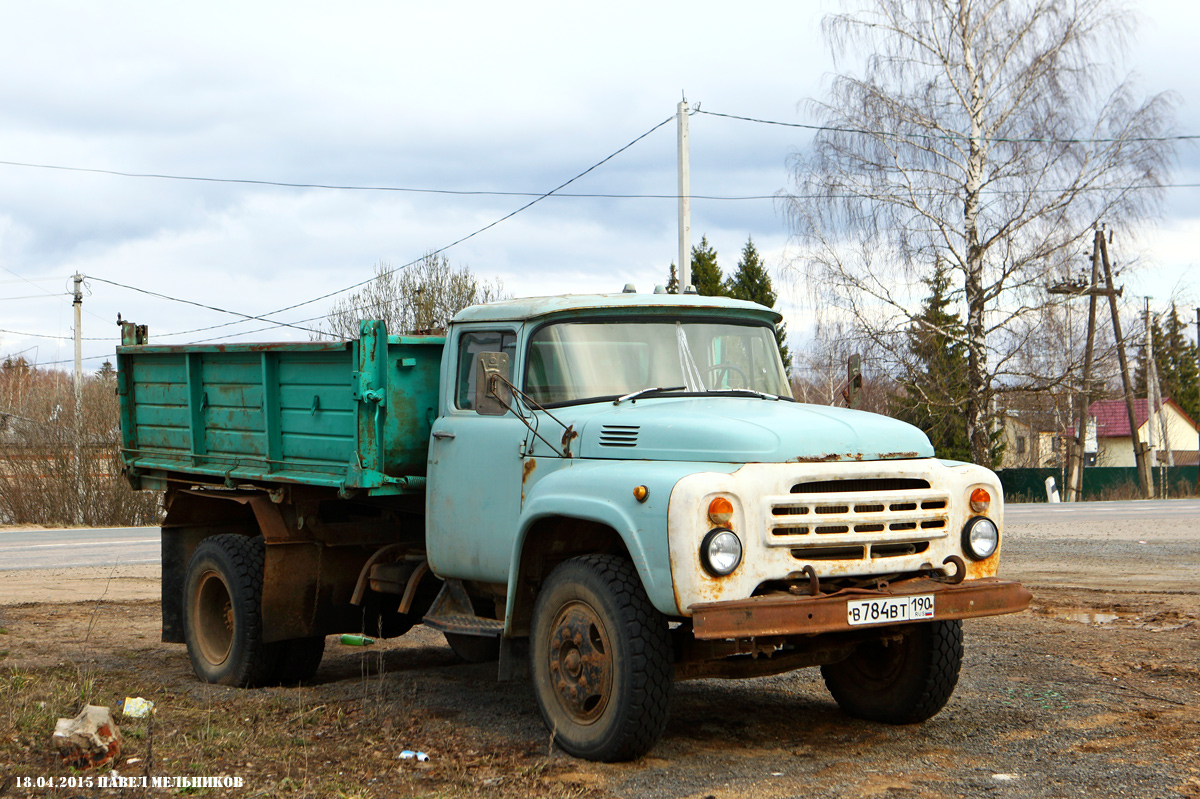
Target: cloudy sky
pixel 465 96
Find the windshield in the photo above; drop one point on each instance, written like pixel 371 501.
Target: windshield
pixel 574 361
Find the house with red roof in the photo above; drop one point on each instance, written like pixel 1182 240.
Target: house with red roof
pixel 1114 444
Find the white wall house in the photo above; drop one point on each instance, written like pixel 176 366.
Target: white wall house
pixel 1115 445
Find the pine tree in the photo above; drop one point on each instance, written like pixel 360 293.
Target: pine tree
pixel 935 388
pixel 706 274
pixel 673 280
pixel 752 282
pixel 1175 359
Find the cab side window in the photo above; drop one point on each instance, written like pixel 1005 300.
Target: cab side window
pixel 471 344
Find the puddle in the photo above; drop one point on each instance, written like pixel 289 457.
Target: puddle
pixel 1086 616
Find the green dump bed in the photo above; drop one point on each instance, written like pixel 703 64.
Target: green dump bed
pixel 347 415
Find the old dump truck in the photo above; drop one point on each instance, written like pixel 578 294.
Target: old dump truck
pixel 606 493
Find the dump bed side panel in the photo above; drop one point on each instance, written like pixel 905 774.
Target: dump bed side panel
pixel 312 413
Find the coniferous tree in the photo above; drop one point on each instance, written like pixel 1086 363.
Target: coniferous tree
pixel 706 274
pixel 752 282
pixel 935 389
pixel 1175 359
pixel 673 280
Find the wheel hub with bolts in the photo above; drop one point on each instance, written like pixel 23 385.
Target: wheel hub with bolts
pixel 216 624
pixel 581 662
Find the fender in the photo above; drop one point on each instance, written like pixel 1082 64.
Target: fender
pixel 602 492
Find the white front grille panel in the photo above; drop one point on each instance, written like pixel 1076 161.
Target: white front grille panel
pixel 857 525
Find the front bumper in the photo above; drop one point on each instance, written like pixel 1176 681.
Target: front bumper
pixel 782 614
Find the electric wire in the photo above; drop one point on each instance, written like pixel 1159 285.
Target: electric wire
pixel 442 249
pixel 538 197
pixel 197 304
pixel 954 136
pixel 59 338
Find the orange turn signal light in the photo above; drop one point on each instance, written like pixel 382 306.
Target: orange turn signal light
pixel 720 512
pixel 640 493
pixel 980 500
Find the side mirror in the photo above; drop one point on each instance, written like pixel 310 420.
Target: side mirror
pixel 493 397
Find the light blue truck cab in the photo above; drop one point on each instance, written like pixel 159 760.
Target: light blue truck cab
pixel 619 492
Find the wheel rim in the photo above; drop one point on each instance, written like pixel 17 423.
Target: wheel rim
pixel 880 664
pixel 214 618
pixel 581 664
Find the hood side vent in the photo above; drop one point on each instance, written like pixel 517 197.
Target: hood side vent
pixel 619 435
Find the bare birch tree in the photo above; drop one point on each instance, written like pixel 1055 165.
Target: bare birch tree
pixel 988 134
pixel 421 297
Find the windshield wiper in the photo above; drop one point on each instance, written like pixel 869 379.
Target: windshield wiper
pixel 646 391
pixel 759 394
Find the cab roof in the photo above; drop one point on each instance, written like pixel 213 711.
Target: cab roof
pixel 625 303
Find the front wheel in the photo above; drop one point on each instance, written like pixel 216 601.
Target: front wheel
pixel 899 682
pixel 601 660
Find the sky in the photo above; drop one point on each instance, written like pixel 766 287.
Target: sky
pixel 465 96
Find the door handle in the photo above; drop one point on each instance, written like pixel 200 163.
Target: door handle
pixel 442 434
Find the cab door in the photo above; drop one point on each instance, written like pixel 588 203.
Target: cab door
pixel 473 495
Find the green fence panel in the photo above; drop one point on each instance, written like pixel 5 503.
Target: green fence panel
pixel 1099 482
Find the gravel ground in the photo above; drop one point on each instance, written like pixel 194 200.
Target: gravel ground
pixel 1094 692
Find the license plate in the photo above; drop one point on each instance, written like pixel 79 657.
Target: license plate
pixel 888 611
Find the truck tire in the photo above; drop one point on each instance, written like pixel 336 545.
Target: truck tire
pixel 298 659
pixel 223 612
pixel 474 648
pixel 601 660
pixel 903 682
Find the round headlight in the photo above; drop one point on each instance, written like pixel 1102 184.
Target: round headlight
pixel 980 538
pixel 720 552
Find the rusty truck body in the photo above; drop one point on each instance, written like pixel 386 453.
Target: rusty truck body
pixel 607 493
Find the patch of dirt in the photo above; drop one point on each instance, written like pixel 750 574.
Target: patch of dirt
pixel 1045 705
pixel 1094 692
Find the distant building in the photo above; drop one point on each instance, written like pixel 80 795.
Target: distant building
pixel 1037 431
pixel 1115 444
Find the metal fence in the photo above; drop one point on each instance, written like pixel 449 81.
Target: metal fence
pixel 1099 482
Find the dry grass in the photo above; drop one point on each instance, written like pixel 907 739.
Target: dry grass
pixel 337 739
pixel 54 474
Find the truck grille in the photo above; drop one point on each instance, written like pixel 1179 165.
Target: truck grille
pixel 858 519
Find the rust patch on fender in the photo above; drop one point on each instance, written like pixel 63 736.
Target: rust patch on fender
pixel 988 567
pixel 527 469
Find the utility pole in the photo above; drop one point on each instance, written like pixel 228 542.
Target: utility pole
pixel 1151 399
pixel 1145 478
pixel 1075 484
pixel 78 466
pixel 685 199
pixel 1156 423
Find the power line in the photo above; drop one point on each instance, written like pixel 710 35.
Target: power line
pixel 58 338
pixel 197 304
pixel 957 137
pixel 454 243
pixel 72 360
pixel 47 292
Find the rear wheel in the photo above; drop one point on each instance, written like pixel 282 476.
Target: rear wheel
pixel 899 682
pixel 601 660
pixel 223 612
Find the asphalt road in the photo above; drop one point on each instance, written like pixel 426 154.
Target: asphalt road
pixel 1088 512
pixel 43 549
